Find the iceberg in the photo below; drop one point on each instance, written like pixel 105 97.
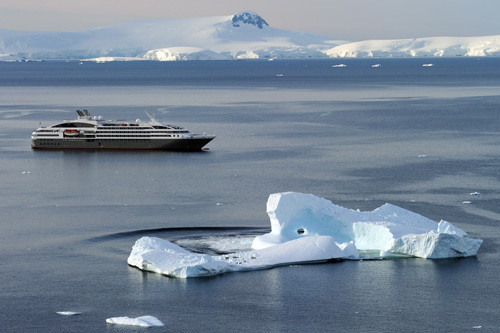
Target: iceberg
pixel 68 313
pixel 144 321
pixel 389 229
pixel 309 229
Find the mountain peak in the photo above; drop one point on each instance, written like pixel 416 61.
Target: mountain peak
pixel 250 18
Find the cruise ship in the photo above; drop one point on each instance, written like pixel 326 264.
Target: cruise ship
pixel 92 132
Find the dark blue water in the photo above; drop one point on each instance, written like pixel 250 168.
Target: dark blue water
pixel 423 138
pixel 317 73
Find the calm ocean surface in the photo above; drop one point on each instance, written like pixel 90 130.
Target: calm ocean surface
pixel 420 137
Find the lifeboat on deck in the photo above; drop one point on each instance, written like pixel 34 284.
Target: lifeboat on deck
pixel 71 132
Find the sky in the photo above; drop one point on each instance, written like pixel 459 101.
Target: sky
pixel 352 20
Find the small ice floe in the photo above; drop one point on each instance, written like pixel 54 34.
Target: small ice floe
pixel 68 313
pixel 376 65
pixel 475 194
pixel 467 202
pixel 339 65
pixel 422 156
pixel 427 65
pixel 144 321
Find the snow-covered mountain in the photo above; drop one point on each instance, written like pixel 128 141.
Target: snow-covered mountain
pixel 244 35
pixel 240 36
pixel 420 47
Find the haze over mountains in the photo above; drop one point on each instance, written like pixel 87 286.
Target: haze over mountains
pixel 245 35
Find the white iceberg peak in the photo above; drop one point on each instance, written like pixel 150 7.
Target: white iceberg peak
pixel 448 228
pixel 388 228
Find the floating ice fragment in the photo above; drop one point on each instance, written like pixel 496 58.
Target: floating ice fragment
pixel 144 321
pixel 68 313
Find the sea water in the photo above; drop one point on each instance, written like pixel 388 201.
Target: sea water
pixel 370 132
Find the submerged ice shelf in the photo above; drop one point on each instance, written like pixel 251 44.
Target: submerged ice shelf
pixel 308 229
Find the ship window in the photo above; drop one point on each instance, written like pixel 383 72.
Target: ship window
pixel 73 124
pixel 83 125
pixel 65 125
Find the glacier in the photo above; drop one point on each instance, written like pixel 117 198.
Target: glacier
pixel 309 229
pixel 240 36
pixel 419 47
pixel 245 35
